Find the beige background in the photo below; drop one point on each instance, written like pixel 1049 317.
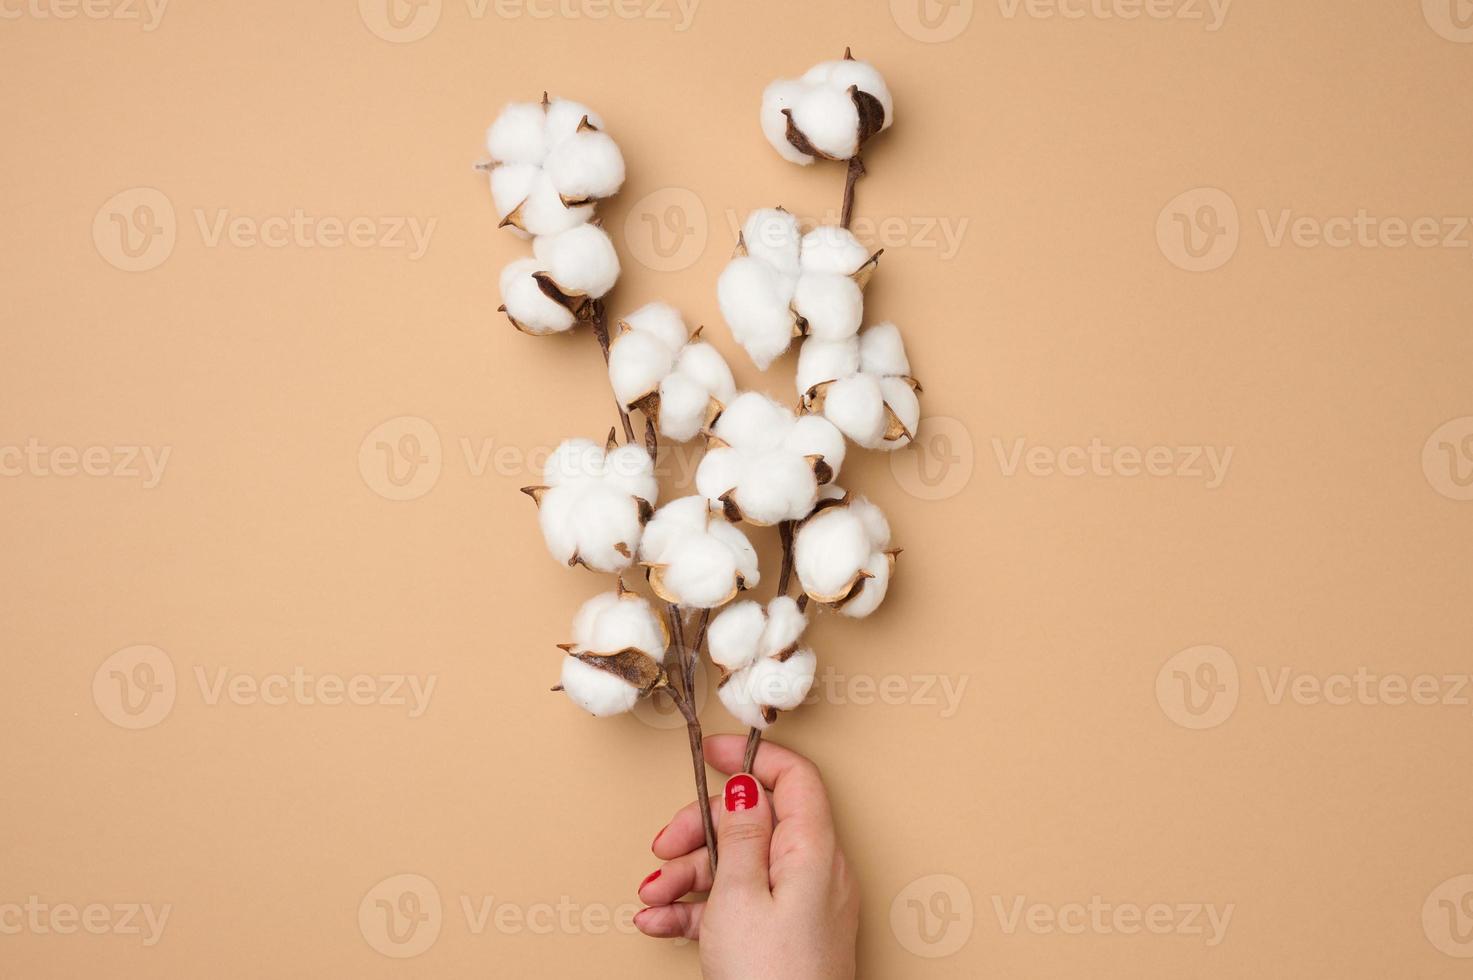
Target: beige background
pixel 1051 149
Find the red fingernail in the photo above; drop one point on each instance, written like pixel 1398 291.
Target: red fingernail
pixel 741 793
pixel 653 875
pixel 658 836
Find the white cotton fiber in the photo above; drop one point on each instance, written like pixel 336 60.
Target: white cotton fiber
pixel 776 97
pixel 597 691
pixel 829 248
pixel 510 185
pixel 655 354
pixel 518 135
pixel 527 305
pixel 563 118
pixel 785 624
pixel 855 405
pixel 587 165
pixel 828 552
pixel 737 699
pixel 814 435
pixel 629 468
pixel 822 360
pixel 638 362
pixel 875 588
pixel 720 470
pixel 683 407
pixel 704 365
pixel 755 302
pixel 782 684
pixel 832 304
pixel 828 118
pixel 765 465
pixel 589 508
pixel 882 351
pixel 876 526
pixel 574 461
pixel 629 624
pixel 698 559
pixel 754 422
pixel 581 260
pixel 846 72
pixel 735 633
pixel 902 399
pixel 661 321
pixel 773 238
pixel 543 211
pixel 775 485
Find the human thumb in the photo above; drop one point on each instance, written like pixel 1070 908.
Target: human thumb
pixel 743 838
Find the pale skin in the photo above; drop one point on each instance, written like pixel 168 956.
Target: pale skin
pixel 783 904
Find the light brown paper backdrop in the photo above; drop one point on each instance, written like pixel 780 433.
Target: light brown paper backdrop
pixel 1051 145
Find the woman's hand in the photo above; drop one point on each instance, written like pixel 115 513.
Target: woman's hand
pixel 783 905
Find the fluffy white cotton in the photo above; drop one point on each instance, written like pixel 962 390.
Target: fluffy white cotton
pixel 768 465
pixel 546 166
pixel 581 261
pixel 843 546
pixel 823 108
pixel 607 624
pixel 762 666
pixel 589 507
pixel 526 305
pixel 777 97
pixel 654 354
pixel 696 558
pixel 786 285
pixel 863 386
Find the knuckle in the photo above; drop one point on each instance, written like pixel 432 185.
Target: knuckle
pixel 740 833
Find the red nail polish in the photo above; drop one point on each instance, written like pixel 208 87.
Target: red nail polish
pixel 741 793
pixel 653 875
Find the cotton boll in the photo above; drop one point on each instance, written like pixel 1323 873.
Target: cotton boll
pixel 855 405
pixel 843 74
pixel 662 321
pixel 822 360
pixel 734 634
pixel 675 520
pixel 581 260
pixel 704 364
pixel 557 517
pixel 873 592
pixel 737 698
pixel 597 691
pixel 829 248
pixel 828 118
pixel 815 435
pixel 755 303
pixel 828 551
pixel 902 400
pixel 518 135
pixel 630 470
pixel 527 305
pixel 563 117
pixel 574 461
pixel 683 405
pixel 754 421
pixel 543 211
pixel 782 684
pixel 785 624
pixel 628 624
pixel 586 166
pixel 608 528
pixel 720 470
pixel 882 351
pixel 831 303
pixel 876 527
pixel 742 552
pixel 777 486
pixel 587 615
pixel 776 97
pixel 772 237
pixel 638 362
pixel 700 572
pixel 511 183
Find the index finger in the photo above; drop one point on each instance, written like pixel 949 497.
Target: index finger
pixel 793 781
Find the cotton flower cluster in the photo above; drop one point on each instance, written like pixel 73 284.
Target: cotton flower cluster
pixel 764 466
pixel 595 502
pixel 862 384
pixel 782 284
pixel 696 558
pixel 829 113
pixel 840 554
pixel 657 366
pixel 763 669
pixel 550 164
pixel 615 658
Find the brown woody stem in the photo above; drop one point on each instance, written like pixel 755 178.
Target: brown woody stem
pixel 754 739
pixel 600 318
pixel 856 171
pixel 685 700
pixel 785 534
